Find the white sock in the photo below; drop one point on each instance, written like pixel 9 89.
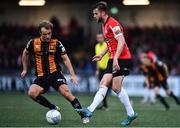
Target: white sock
pixel 146 95
pixel 100 94
pixel 152 96
pixel 149 95
pixel 124 98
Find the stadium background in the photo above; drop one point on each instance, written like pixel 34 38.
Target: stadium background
pixel 155 27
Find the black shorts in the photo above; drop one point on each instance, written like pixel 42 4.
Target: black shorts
pixel 163 84
pixel 125 66
pixel 54 79
pixel 101 74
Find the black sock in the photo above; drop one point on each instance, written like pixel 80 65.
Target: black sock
pixel 175 98
pixel 76 105
pixel 44 102
pixel 162 100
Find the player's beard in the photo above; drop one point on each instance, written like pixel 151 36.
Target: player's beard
pixel 46 39
pixel 100 20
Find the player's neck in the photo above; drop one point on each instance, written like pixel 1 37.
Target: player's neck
pixel 105 18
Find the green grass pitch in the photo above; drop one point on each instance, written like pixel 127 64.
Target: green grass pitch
pixel 17 109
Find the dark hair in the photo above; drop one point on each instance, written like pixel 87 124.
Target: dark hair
pixel 102 6
pixel 46 24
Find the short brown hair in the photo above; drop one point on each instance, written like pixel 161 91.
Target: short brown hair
pixel 46 24
pixel 102 6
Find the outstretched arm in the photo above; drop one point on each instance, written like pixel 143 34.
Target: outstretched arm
pixel 100 56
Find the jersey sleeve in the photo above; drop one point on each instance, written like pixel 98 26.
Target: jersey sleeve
pixel 116 28
pixel 160 63
pixel 161 67
pixel 60 48
pixel 29 46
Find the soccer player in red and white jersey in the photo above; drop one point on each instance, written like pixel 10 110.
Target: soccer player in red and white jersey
pixel 119 63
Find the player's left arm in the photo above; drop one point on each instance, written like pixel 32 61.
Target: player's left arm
pixel 62 51
pixel 120 46
pixel 120 39
pixel 68 64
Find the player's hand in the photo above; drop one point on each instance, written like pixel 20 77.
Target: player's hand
pixel 115 65
pixel 73 80
pixel 23 73
pixel 97 58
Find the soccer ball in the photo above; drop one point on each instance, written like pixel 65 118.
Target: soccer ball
pixel 53 117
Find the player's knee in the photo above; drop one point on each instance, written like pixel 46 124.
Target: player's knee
pixel 33 94
pixel 102 83
pixel 116 89
pixel 168 92
pixel 67 94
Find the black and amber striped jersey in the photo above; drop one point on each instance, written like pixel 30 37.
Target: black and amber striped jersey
pixel 45 55
pixel 155 72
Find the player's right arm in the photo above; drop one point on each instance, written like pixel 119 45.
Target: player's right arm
pixel 97 66
pixel 97 69
pixel 100 56
pixel 25 58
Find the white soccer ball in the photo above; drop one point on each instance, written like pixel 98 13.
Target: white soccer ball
pixel 53 117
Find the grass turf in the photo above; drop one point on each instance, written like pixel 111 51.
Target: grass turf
pixel 17 109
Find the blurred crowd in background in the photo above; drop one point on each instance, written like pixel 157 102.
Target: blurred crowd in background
pixel 164 41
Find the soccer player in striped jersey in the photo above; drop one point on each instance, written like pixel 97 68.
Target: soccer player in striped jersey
pixel 46 53
pixel 156 74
